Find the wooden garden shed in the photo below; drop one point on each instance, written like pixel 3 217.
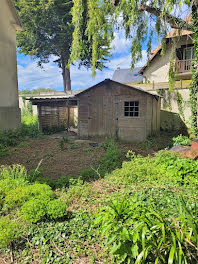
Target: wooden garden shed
pixel 113 109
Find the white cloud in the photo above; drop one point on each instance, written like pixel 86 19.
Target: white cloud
pixel 120 44
pixel 31 76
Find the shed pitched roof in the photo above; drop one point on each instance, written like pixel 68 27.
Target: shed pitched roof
pixel 107 81
pixel 126 75
pixel 173 33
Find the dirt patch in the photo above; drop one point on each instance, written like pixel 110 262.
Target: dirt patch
pixel 55 162
pixel 75 156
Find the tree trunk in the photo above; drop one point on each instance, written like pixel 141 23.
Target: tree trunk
pixel 68 79
pixel 66 76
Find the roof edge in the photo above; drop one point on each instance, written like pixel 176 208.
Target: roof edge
pixel 109 80
pixel 18 25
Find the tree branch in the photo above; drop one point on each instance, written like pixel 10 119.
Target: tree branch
pixel 173 21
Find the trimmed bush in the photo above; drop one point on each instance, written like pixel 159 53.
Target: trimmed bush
pixel 34 210
pixel 56 209
pixel 21 194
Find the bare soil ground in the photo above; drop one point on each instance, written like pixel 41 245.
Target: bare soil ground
pixel 57 162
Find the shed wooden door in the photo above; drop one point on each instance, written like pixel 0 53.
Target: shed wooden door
pixel 101 116
pixel 95 116
pixel 109 115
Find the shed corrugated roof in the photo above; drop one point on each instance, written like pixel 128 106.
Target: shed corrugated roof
pixel 53 97
pixel 126 75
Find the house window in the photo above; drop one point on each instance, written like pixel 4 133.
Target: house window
pixel 188 53
pixel 131 108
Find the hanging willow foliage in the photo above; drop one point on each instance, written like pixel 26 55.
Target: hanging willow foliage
pixel 140 19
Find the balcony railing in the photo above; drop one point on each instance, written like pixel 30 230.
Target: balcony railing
pixel 183 66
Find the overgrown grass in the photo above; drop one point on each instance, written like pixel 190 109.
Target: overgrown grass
pixel 144 211
pixel 11 138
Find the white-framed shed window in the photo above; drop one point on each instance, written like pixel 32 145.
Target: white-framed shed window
pixel 131 108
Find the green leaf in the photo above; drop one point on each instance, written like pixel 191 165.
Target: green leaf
pixel 171 255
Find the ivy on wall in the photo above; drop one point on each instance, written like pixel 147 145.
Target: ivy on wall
pixel 175 96
pixel 194 83
pixel 181 105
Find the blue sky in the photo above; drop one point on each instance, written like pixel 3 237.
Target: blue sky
pixel 30 76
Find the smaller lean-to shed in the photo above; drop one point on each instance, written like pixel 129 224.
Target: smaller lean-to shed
pixel 56 114
pixel 113 109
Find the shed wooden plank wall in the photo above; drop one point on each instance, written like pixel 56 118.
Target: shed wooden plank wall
pixel 57 116
pixel 101 112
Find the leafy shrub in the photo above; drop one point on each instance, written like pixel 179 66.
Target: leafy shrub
pixel 56 209
pixel 7 185
pixel 136 232
pixel 9 231
pixel 112 158
pixel 34 210
pixel 181 140
pixel 186 169
pixel 89 174
pixel 37 209
pixel 63 181
pixel 21 194
pixel 167 168
pixel 47 181
pixel 35 176
pixel 29 126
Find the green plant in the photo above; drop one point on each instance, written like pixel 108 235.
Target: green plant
pixel 10 230
pixel 88 174
pixel 72 146
pixel 112 158
pixel 185 170
pixel 34 210
pixel 62 142
pixel 56 209
pixel 136 232
pixel 13 138
pixel 18 196
pixel 63 181
pixel 181 140
pixel 65 139
pixel 88 149
pixel 47 181
pixel 48 155
pixel 12 177
pixel 13 172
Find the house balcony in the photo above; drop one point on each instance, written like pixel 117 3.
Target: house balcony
pixel 183 69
